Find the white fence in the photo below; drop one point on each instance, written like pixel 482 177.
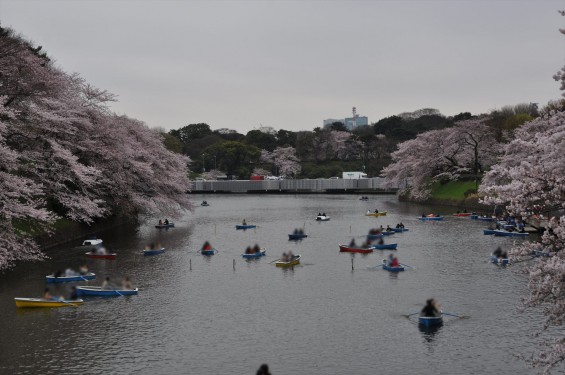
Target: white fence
pixel 289 186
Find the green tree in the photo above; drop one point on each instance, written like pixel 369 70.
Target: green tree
pixel 191 132
pixel 261 140
pixel 235 158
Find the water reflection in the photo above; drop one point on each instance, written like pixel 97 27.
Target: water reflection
pixel 429 332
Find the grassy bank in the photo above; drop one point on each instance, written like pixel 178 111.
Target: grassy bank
pixel 453 190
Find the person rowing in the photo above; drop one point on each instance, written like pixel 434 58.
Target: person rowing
pixel 431 309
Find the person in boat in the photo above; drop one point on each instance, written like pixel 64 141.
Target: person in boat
pixel 58 273
pixel 499 253
pixel 83 270
pixel 290 255
pixel 101 250
pixel 376 211
pixel 160 222
pixel 248 250
pixel 300 231
pixel 47 294
pixel 430 310
pixel 464 210
pixel 423 214
pixel 389 260
pixel 106 284
pixel 206 246
pixel 284 257
pixel 381 241
pixel 166 221
pixel 126 284
pixel 244 222
pixel 70 272
pixel 324 214
pixel 352 243
pixel 74 295
pixel 263 370
pixel 394 262
pixel 319 214
pixel 388 228
pixel 256 249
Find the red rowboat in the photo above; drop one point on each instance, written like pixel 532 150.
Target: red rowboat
pixel 101 256
pixel 347 249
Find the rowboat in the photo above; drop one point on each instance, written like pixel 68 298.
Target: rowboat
pixel 322 218
pixel 400 230
pixel 297 236
pixel 204 204
pixel 485 218
pixel 489 231
pixel 392 269
pixel 348 249
pixel 463 214
pixel 65 279
pixel 92 242
pixel 154 251
pixel 208 252
pixel 388 246
pixel 246 226
pixel 170 225
pixel 254 255
pixel 100 256
pixel 499 261
pixel 41 302
pixel 376 213
pixel 295 260
pixel 371 237
pixel 430 218
pixel 98 291
pixel 506 233
pixel 430 321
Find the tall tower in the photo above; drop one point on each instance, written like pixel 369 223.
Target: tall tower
pixel 354 118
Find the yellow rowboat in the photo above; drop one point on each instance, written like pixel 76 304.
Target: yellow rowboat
pixel 295 260
pixel 41 302
pixel 376 213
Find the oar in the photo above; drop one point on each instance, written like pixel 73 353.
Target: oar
pixel 405 265
pixel 273 261
pixel 455 315
pixel 409 315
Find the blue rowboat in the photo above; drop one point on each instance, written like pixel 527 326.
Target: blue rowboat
pixel 247 226
pixel 388 246
pixel 505 233
pixel 430 321
pixel 297 236
pixel 170 225
pixel 254 255
pixel 388 232
pixel 499 261
pixel 65 279
pixel 430 218
pixel 489 231
pixel 392 269
pixel 98 291
pixel 208 252
pixel 371 237
pixel 474 217
pixel 154 251
pixel 400 230
pixel 485 218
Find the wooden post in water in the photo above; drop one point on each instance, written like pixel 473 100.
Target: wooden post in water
pixel 349 228
pixel 214 228
pixel 234 264
pixel 190 263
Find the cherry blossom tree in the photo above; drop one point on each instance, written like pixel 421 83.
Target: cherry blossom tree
pixel 60 143
pixel 437 155
pixel 530 179
pixel 284 159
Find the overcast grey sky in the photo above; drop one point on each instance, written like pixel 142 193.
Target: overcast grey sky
pixel 291 64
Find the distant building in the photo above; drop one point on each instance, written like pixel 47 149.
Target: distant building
pixel 349 122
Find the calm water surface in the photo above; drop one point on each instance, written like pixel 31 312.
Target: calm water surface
pixel 205 315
